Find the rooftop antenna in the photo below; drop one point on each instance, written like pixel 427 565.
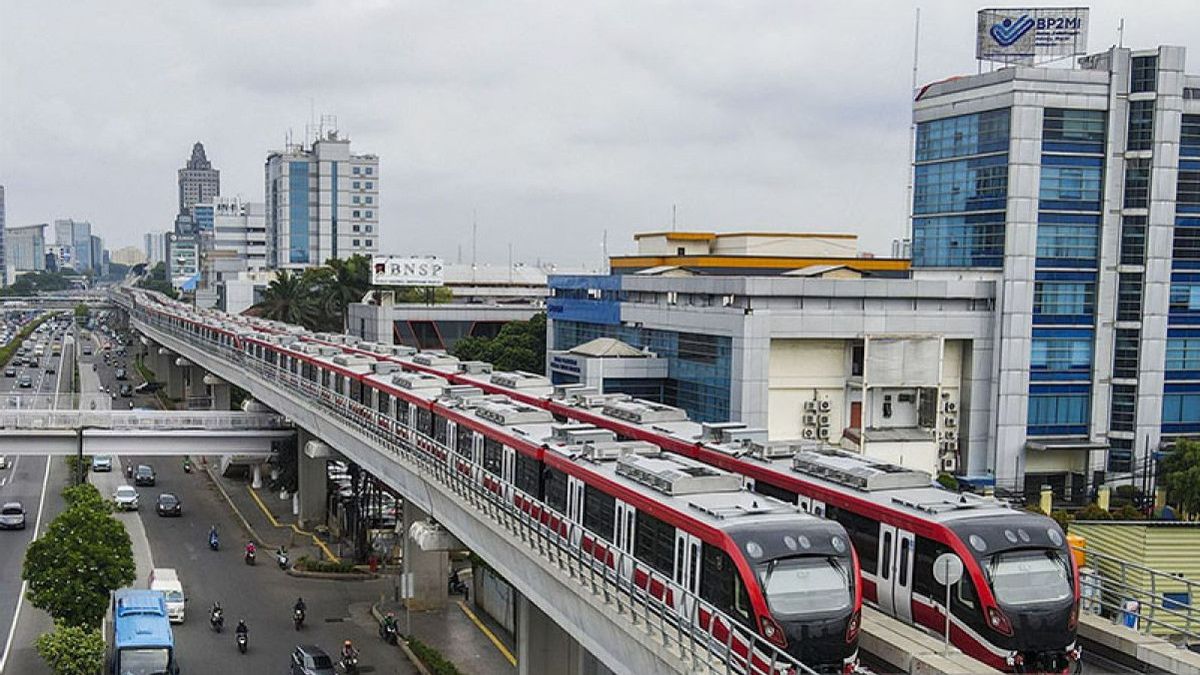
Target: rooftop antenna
pixel 672 217
pixel 474 241
pixel 912 128
pixel 604 250
pixel 1121 33
pixel 510 263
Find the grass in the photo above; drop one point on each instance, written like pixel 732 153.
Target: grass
pixel 8 350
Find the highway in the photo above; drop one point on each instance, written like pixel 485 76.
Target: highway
pixel 262 594
pixel 35 481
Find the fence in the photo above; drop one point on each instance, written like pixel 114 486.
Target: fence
pixel 1143 598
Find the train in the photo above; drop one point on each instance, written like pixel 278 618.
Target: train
pixel 691 535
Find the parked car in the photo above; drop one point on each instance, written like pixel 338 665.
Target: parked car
pixel 126 391
pixel 126 498
pixel 4 463
pixel 143 475
pixel 102 463
pixel 168 505
pixel 121 374
pixel 12 516
pixel 311 660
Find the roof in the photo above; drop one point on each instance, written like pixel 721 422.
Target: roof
pixel 816 270
pixel 709 236
pixel 606 347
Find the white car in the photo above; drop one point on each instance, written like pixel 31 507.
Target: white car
pixel 102 463
pixel 126 498
pixel 12 516
pixel 4 463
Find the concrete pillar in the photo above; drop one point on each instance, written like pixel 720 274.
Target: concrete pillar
pixel 430 570
pixel 256 481
pixel 1047 501
pixel 1102 496
pixel 312 478
pixel 544 647
pixel 162 360
pixel 195 382
pixel 175 376
pixel 219 396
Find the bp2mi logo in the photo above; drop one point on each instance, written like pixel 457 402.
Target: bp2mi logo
pixel 1009 31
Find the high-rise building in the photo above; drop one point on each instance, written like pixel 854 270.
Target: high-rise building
pixel 240 231
pixel 1078 192
pixel 183 260
pixel 96 244
pixel 155 244
pixel 75 236
pixel 26 248
pixel 3 256
pixel 322 202
pixel 198 182
pixel 128 256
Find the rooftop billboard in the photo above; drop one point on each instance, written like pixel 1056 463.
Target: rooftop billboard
pixel 1029 36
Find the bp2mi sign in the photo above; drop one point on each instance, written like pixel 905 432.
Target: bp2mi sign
pixel 407 271
pixel 1029 36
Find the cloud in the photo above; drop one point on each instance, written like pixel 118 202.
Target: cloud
pixel 553 122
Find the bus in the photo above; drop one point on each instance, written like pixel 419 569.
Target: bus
pixel 142 643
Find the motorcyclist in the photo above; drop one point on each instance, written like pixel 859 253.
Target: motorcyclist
pixel 212 535
pixel 250 548
pixel 299 606
pixel 348 650
pixel 216 614
pixel 241 627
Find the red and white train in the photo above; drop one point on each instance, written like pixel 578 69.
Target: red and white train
pixel 668 522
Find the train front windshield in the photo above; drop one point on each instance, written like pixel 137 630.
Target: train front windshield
pixel 1028 577
pixel 805 585
pixel 155 661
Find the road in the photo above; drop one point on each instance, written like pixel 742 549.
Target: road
pixel 34 481
pixel 262 595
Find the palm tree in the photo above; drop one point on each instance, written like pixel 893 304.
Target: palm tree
pixel 289 298
pixel 344 282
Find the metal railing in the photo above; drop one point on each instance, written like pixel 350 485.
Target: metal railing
pixel 140 420
pixel 1140 597
pixel 682 621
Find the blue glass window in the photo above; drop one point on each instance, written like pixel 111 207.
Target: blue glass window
pixel 1141 125
pixel 1185 297
pixel 1065 355
pixel 298 219
pixel 1067 130
pixel 1057 410
pixel 1187 189
pixel 1181 411
pixel 962 136
pixel 968 240
pixel 1070 183
pixel 1068 239
pixel 979 184
pixel 1064 301
pixel 1183 353
pixel 1189 136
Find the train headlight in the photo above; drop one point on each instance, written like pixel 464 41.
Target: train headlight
pixel 772 631
pixel 852 628
pixel 998 621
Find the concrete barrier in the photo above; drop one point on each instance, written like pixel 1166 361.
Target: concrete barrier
pixel 1148 649
pixel 912 650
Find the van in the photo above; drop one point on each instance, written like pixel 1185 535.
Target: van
pixel 166 580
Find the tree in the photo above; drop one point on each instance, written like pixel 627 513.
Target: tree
pixel 86 496
pixel 1181 475
pixel 345 282
pixel 289 298
pixel 156 280
pixel 72 650
pixel 520 345
pixel 84 555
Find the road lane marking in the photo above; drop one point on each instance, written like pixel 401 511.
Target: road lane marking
pixel 295 529
pixel 487 632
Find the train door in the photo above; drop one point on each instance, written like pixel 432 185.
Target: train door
pixel 687 569
pixel 574 507
pixel 623 535
pixel 895 571
pixel 507 471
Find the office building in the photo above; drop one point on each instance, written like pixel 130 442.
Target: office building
pixel 183 260
pixel 3 252
pixel 96 255
pixel 322 202
pixel 1077 191
pixel 240 230
pixel 155 244
pixel 74 239
pixel 26 248
pixel 198 182
pixel 128 256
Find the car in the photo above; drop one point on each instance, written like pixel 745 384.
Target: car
pixel 168 504
pixel 126 391
pixel 143 475
pixel 12 516
pixel 126 498
pixel 102 463
pixel 4 463
pixel 25 382
pixel 10 372
pixel 121 374
pixel 50 370
pixel 311 660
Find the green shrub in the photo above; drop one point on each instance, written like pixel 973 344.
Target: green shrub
pixel 1062 518
pixel 947 481
pixel 432 658
pixel 71 650
pixel 1128 512
pixel 1092 512
pixel 307 564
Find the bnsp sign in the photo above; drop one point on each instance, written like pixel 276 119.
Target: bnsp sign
pixel 1028 36
pixel 407 271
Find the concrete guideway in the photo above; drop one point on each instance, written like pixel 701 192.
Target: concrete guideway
pixel 576 599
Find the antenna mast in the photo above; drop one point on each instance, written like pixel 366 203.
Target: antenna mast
pixel 912 133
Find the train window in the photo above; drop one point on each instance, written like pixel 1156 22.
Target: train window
pixel 555 484
pixel 965 597
pixel 904 553
pixel 402 411
pixel 863 531
pixel 528 472
pixel 493 452
pixel 356 391
pixel 308 372
pixel 654 542
pixel 926 552
pixel 441 430
pixel 463 438
pixel 599 511
pixel 324 379
pixel 779 493
pixel 424 422
pixel 886 570
pixel 382 402
pixel 721 585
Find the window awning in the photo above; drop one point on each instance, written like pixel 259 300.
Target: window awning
pixel 1067 444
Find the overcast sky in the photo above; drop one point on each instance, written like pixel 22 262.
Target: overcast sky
pixel 552 121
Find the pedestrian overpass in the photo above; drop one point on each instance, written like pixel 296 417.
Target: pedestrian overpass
pixel 247 435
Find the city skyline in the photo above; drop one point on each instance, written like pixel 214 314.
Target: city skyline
pixel 546 129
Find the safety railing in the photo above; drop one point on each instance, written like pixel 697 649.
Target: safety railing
pixel 1142 598
pixel 140 420
pixel 701 634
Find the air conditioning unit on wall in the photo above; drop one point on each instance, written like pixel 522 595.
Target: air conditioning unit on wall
pixel 949 422
pixel 823 432
pixel 826 405
pixel 810 420
pixel 950 407
pixel 810 406
pixel 823 420
pixel 810 433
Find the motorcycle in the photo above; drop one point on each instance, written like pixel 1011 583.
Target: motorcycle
pixel 249 557
pixel 298 617
pixel 187 465
pixel 455 585
pixel 213 542
pixel 389 633
pixel 241 642
pixel 281 557
pixel 349 664
pixel 217 620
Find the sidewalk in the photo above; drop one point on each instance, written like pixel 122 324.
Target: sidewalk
pixel 458 637
pixel 267 534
